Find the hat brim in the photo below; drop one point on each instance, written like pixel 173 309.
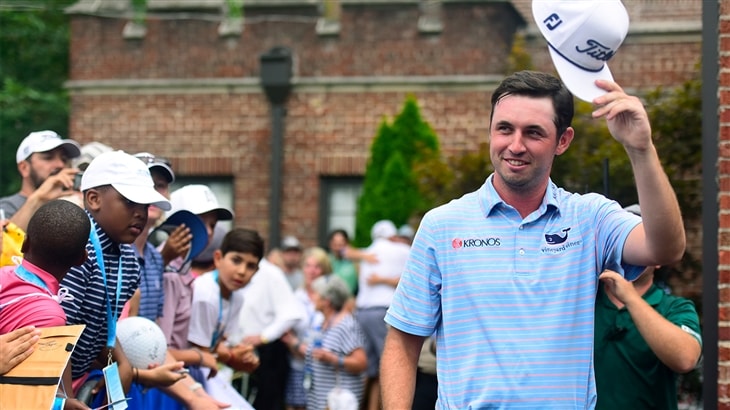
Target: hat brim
pixel 143 195
pixel 71 148
pixel 167 171
pixel 580 82
pixel 197 229
pixel 223 214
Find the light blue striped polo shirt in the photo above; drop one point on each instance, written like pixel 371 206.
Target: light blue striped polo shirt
pixel 512 300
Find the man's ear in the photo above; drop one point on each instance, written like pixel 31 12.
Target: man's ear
pixel 92 199
pixel 564 141
pixel 24 169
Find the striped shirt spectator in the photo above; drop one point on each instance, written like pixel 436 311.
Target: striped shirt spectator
pixel 153 296
pixel 90 293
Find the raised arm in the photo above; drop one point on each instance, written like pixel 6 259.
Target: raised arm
pixel 660 239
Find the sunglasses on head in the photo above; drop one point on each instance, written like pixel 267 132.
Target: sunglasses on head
pixel 148 158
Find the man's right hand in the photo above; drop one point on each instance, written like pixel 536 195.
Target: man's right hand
pixel 55 186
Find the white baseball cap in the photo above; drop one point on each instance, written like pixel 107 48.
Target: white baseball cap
pixel 383 229
pixel 44 141
pixel 198 199
pixel 582 36
pixel 127 174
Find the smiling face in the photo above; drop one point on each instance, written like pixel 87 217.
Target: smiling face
pixel 121 219
pixel 523 144
pixel 235 270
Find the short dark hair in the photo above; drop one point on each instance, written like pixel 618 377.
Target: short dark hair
pixel 341 232
pixel 244 241
pixel 57 234
pixel 537 84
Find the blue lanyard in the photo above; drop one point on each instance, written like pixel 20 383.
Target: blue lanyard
pixel 218 331
pixel 31 277
pixel 111 317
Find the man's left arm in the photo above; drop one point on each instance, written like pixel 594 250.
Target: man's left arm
pixel 660 239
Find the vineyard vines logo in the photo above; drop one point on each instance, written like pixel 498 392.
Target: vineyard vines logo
pixel 558 243
pixel 458 243
pixel 556 239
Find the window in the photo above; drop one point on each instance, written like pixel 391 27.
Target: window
pixel 338 204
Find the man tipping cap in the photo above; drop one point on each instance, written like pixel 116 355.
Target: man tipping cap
pixel 44 141
pixel 582 36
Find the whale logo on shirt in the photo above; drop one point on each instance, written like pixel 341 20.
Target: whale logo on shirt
pixel 555 238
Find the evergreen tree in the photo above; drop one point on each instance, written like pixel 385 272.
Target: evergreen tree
pixel 390 190
pixel 34 46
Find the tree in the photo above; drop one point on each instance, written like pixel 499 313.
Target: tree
pixel 34 46
pixel 390 190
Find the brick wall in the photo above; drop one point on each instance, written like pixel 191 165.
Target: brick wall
pixel 222 127
pixel 723 175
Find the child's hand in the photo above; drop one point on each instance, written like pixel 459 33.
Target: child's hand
pixel 177 244
pixel 245 358
pixel 211 362
pixel 163 375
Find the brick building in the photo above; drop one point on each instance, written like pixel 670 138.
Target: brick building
pixel 186 86
pixel 185 91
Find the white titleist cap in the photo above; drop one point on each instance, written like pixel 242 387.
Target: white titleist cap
pixel 582 36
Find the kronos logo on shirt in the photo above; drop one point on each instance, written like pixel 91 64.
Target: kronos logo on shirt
pixel 458 243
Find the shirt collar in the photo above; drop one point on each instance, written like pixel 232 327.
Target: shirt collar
pixel 107 245
pixel 50 281
pixel 490 199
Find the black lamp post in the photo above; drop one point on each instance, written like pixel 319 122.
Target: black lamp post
pixel 276 72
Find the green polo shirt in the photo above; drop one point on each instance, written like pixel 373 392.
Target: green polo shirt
pixel 628 373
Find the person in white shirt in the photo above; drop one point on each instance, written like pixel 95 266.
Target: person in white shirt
pixel 270 309
pixel 376 284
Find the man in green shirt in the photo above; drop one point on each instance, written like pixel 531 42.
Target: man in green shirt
pixel 644 338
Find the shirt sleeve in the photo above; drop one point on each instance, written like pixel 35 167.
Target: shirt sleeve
pixel 203 315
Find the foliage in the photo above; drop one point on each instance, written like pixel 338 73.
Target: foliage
pixel 33 66
pixel 519 58
pixel 235 8
pixel 390 190
pixel 595 161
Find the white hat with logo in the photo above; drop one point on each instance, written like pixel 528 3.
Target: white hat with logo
pixel 582 36
pixel 125 173
pixel 44 141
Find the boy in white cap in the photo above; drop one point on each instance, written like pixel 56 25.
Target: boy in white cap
pixel 43 159
pixel 117 190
